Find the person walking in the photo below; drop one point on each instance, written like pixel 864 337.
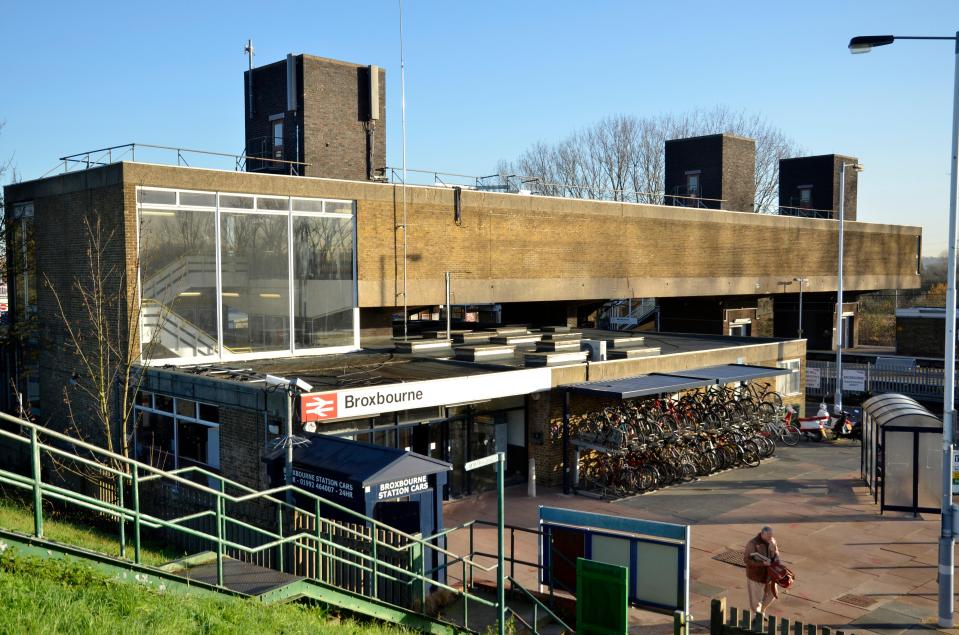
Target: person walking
pixel 760 552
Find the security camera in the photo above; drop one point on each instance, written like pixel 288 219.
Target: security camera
pixel 273 380
pixel 301 385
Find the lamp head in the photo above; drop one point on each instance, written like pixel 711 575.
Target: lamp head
pixel 865 43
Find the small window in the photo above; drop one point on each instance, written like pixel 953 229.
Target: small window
pixel 805 197
pixel 236 202
pixel 789 384
pixel 186 408
pixel 278 139
pixel 160 197
pixel 692 184
pixel 164 403
pixel 209 413
pixel 198 199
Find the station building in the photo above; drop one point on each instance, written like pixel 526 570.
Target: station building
pixel 309 266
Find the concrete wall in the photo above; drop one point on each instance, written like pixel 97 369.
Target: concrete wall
pixel 514 248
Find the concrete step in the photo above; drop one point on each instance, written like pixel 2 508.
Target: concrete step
pixel 442 334
pixel 555 329
pixel 555 359
pixel 483 352
pixel 527 338
pixel 551 346
pixel 422 346
pixel 632 353
pixel 472 337
pixel 510 330
pixel 562 336
pixel 624 342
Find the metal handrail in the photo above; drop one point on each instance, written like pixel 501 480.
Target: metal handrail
pixel 130 472
pixel 806 212
pixel 538 604
pixel 112 154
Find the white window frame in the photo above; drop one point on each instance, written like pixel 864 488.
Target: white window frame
pixel 293 350
pixel 788 385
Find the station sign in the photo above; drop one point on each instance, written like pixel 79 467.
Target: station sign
pixel 374 400
pixel 955 471
pixel 853 380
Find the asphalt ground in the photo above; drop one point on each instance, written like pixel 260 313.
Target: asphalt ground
pixel 828 528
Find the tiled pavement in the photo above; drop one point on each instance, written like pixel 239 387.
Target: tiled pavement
pixel 829 531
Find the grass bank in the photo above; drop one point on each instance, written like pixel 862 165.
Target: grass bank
pixel 56 596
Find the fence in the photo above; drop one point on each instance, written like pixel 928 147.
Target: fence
pixel 919 382
pixel 742 622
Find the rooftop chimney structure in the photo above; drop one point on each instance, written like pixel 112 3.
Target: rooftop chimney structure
pixel 809 186
pixel 715 171
pixel 326 114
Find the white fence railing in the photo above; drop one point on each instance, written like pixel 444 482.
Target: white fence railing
pixel 918 382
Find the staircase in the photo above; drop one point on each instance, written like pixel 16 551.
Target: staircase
pixel 165 328
pixel 624 315
pixel 258 544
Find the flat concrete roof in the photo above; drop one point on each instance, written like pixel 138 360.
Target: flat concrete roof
pixel 378 364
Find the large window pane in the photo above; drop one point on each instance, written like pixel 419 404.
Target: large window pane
pixel 256 298
pixel 323 281
pixel 154 440
pixel 178 278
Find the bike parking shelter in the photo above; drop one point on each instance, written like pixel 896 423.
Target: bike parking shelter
pixel 901 454
pixel 657 384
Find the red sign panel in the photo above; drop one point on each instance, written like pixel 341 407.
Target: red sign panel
pixel 318 407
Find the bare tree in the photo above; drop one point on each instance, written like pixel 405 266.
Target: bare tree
pixel 104 338
pixel 621 157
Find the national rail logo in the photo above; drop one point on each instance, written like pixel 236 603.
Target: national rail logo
pixel 318 407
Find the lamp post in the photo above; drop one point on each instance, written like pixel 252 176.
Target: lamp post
pixel 837 396
pixel 863 44
pixel 801 282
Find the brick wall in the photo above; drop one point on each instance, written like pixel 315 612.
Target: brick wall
pixel 335 105
pixel 739 173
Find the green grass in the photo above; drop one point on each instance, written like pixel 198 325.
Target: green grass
pixel 81 532
pixel 57 596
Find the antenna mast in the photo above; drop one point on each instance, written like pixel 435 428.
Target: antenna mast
pixel 249 77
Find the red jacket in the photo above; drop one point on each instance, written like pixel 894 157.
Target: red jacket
pixel 756 570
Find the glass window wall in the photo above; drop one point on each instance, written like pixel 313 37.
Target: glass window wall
pixel 178 283
pixel 218 270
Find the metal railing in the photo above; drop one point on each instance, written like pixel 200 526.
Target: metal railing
pixel 919 382
pixel 806 212
pixel 511 560
pixel 517 184
pixel 184 157
pixel 364 556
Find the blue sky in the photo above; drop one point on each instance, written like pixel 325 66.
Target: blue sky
pixel 485 80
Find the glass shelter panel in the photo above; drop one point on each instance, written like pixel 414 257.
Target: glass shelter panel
pixel 178 283
pixel 256 294
pixel 323 281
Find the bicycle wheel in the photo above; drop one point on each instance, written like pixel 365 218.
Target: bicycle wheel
pixel 789 434
pixel 750 456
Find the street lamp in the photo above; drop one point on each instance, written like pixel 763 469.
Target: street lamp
pixel 837 396
pixel 863 44
pixel 801 282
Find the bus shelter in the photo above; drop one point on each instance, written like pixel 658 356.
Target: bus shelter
pixel 901 454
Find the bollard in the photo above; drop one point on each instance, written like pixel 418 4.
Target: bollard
pixel 531 481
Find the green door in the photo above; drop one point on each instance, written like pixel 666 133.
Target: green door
pixel 602 598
